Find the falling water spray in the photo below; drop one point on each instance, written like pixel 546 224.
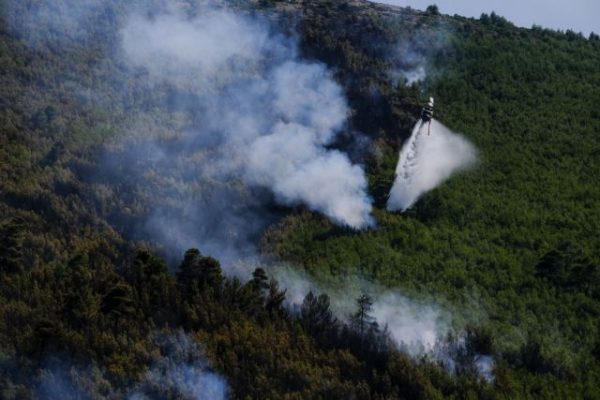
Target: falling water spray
pixel 429 157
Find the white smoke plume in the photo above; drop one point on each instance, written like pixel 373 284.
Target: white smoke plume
pixel 485 367
pixel 63 21
pixel 420 328
pixel 415 326
pixel 411 56
pixel 202 53
pixel 457 356
pixel 426 160
pixel 414 75
pixel 181 372
pixel 62 378
pixel 272 114
pixel 215 117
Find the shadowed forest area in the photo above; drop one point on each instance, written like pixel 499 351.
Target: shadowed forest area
pixel 90 290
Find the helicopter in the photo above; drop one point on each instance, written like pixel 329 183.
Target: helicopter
pixel 427 114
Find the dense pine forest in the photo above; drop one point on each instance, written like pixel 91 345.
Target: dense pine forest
pixel 130 269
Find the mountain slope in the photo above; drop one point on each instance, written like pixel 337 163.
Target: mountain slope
pixel 510 248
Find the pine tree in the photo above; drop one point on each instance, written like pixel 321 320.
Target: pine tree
pixel 275 299
pixel 315 314
pixel 11 246
pixel 362 320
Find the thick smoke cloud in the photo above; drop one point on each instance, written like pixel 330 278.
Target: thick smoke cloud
pixel 427 160
pixel 199 53
pixel 272 114
pixel 228 121
pixel 217 118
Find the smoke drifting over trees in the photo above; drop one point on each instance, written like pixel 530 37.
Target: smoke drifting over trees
pixel 271 114
pixel 414 326
pixel 135 128
pixel 233 121
pixel 179 370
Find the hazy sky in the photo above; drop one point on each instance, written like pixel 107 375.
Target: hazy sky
pixel 578 15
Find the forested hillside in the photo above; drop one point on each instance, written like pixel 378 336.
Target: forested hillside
pixel 105 185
